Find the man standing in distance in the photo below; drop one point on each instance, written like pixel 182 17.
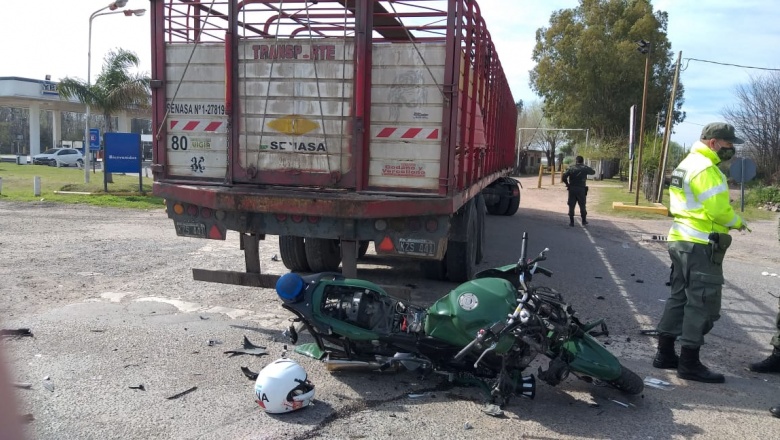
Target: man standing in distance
pixel 575 178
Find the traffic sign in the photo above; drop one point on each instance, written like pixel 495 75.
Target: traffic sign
pixel 94 139
pixel 743 169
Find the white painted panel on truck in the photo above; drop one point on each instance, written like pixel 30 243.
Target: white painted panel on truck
pixel 196 121
pixel 406 116
pixel 296 98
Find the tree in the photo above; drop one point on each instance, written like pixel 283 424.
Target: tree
pixel 589 72
pixel 535 132
pixel 116 88
pixel 757 117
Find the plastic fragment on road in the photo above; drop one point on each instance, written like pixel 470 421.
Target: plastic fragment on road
pixel 467 426
pixel 15 332
pixel 24 385
pixel 311 350
pixel 251 375
pixel 183 393
pixel 658 383
pixel 248 348
pixel 420 395
pixel 138 387
pixel 624 405
pixel 48 384
pixel 492 410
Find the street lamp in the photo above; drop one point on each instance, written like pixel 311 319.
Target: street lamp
pixel 113 6
pixel 644 47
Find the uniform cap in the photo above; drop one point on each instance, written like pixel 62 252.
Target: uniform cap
pixel 720 130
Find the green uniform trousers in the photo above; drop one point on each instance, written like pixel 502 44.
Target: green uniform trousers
pixel 696 286
pixel 776 338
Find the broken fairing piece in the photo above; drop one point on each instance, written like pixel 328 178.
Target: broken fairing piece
pixel 624 405
pixel 249 348
pixel 48 385
pixel 492 410
pixel 183 393
pixel 658 383
pixel 15 332
pixel 251 375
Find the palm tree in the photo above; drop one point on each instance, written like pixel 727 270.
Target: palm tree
pixel 115 89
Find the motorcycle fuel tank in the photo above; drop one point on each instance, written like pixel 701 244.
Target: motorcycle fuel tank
pixel 457 317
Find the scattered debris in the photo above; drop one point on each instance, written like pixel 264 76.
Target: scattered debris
pixel 640 281
pixel 98 330
pixel 138 387
pixel 467 426
pixel 633 274
pixel 275 258
pixel 594 405
pixel 624 405
pixel 213 342
pixel 492 410
pixel 599 278
pixel 599 297
pixel 26 418
pixel 628 339
pixel 652 332
pixel 24 385
pixel 311 350
pixel 15 332
pixel 48 384
pixel 251 375
pixel 204 317
pixel 658 383
pixel 248 348
pixel 183 393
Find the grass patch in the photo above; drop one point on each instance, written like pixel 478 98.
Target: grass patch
pixel 619 193
pixel 17 185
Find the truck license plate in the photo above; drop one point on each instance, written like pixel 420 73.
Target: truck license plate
pixel 185 229
pixel 416 246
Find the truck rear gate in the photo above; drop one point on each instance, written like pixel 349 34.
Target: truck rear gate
pixel 321 119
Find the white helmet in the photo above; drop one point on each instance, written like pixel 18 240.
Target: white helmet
pixel 282 387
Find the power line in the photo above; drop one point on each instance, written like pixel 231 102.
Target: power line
pixel 726 64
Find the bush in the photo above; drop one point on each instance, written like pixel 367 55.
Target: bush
pixel 763 194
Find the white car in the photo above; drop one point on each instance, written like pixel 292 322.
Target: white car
pixel 59 157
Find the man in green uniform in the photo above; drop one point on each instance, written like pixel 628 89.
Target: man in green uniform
pixel 698 239
pixel 575 178
pixel 772 363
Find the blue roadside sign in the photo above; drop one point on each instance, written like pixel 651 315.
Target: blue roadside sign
pixel 123 152
pixel 94 139
pixel 742 169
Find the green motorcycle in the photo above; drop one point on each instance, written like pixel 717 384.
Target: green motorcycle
pixel 488 329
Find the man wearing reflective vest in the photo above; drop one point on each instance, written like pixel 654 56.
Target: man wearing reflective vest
pixel 698 239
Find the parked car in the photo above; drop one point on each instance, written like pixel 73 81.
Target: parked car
pixel 59 157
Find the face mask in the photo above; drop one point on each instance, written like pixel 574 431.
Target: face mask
pixel 725 154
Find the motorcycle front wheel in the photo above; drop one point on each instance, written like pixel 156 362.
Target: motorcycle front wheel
pixel 628 382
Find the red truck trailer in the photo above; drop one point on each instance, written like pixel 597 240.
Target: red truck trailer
pixel 333 125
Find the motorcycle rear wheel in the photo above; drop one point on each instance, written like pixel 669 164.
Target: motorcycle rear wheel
pixel 628 382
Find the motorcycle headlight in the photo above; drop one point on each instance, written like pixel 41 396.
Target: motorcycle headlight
pixel 290 287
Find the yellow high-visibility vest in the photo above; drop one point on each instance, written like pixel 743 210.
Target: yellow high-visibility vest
pixel 699 198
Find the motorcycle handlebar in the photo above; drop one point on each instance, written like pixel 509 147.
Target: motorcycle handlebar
pixel 467 348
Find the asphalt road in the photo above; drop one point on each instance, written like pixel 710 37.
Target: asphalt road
pixel 109 297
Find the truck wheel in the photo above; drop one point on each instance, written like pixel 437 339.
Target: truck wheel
pixel 461 256
pixel 434 269
pixel 323 254
pixel 503 205
pixel 479 201
pixel 293 253
pixel 514 204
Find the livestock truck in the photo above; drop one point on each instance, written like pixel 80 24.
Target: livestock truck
pixel 332 125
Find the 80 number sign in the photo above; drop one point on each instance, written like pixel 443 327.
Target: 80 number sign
pixel 179 143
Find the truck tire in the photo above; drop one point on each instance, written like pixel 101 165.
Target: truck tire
pixel 293 253
pixel 434 269
pixel 323 254
pixel 479 201
pixel 514 204
pixel 461 256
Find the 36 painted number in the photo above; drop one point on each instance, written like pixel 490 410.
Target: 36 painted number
pixel 179 143
pixel 197 164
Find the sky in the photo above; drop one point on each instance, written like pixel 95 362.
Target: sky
pixel 41 37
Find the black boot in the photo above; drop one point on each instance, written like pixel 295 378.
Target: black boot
pixel 768 365
pixel 665 357
pixel 775 411
pixel 584 222
pixel 691 368
pixel 571 220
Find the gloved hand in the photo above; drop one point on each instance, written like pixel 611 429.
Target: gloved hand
pixel 744 227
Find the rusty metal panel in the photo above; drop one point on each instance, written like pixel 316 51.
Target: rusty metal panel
pixel 406 116
pixel 295 100
pixel 196 122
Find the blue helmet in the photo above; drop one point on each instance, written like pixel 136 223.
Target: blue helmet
pixel 290 287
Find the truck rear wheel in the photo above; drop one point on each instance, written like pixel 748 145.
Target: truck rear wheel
pixel 323 254
pixel 461 256
pixel 514 204
pixel 293 253
pixel 434 269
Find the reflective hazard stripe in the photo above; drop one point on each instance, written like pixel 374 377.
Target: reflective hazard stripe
pixel 687 231
pixel 713 192
pixel 733 221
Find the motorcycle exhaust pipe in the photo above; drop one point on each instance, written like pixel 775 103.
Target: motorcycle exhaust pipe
pixel 345 365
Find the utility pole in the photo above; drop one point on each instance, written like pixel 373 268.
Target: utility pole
pixel 668 129
pixel 645 48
